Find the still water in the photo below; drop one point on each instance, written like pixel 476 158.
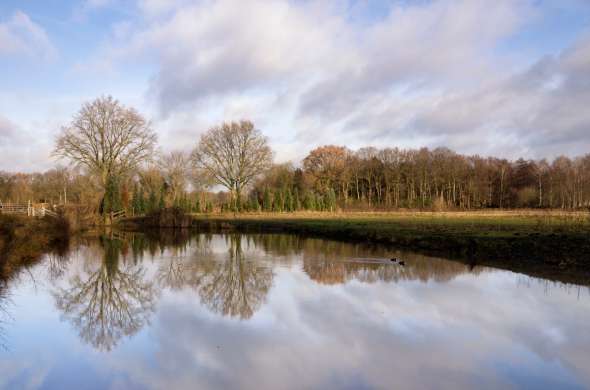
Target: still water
pixel 283 312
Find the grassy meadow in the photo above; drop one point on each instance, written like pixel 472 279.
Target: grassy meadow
pixel 502 223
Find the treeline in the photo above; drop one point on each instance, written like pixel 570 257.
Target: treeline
pixel 329 178
pixel 145 191
pixel 392 178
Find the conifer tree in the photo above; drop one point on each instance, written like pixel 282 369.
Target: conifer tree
pixel 288 200
pixel 278 202
pixel 112 197
pixel 319 203
pixel 296 201
pixel 309 201
pixel 267 201
pixel 152 203
pixel 254 205
pixel 331 200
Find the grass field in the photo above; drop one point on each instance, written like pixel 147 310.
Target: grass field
pixel 472 223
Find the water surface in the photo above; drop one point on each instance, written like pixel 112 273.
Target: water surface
pixel 283 312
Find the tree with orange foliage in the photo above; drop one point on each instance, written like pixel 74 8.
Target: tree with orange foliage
pixel 327 166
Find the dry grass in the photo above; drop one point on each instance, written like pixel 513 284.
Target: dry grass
pixel 485 217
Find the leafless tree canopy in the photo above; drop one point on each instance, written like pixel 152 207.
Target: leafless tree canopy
pixel 111 302
pixel 233 154
pixel 106 138
pixel 176 169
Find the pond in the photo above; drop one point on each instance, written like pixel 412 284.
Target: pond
pixel 187 311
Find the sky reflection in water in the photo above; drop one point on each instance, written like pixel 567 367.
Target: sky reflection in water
pixel 277 311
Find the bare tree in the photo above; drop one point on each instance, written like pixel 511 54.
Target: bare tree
pixel 327 165
pixel 176 169
pixel 107 138
pixel 233 154
pixel 110 302
pixel 232 285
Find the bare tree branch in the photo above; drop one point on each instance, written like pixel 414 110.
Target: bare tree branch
pixel 233 154
pixel 107 139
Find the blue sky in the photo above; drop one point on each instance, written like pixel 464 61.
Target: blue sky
pixel 500 78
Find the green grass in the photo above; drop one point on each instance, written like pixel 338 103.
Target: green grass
pixel 474 224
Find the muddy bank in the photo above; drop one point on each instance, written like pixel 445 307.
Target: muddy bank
pixel 23 241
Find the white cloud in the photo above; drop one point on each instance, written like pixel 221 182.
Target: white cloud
pixel 19 149
pixel 395 80
pixel 425 73
pixel 19 35
pixel 225 47
pixel 7 129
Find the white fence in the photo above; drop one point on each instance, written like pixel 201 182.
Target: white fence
pixel 29 209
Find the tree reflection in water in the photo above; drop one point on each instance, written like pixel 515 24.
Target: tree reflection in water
pixel 234 286
pixel 113 302
pixel 175 267
pixel 334 262
pixel 230 285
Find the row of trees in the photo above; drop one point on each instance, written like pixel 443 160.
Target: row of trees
pixel 114 165
pixel 421 178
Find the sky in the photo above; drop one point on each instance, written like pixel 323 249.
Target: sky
pixel 507 78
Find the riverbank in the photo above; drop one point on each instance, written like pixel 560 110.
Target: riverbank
pixel 24 240
pixel 549 244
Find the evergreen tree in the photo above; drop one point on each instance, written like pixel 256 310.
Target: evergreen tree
pixel 198 206
pixel 112 197
pixel 309 202
pixel 296 201
pixel 152 205
pixel 254 205
pixel 331 200
pixel 288 200
pixel 209 207
pixel 267 201
pixel 278 203
pixel 319 203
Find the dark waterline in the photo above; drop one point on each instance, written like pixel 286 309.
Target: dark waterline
pixel 282 311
